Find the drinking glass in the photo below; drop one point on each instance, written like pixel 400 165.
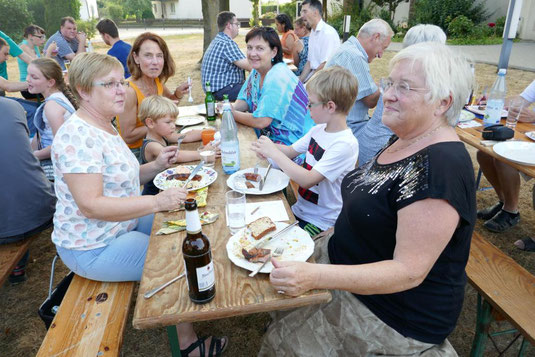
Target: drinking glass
pixel 515 108
pixel 67 64
pixel 207 135
pixel 207 154
pixel 235 209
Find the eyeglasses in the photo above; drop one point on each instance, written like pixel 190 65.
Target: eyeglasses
pixel 237 23
pixel 401 88
pixel 39 36
pixel 113 84
pixel 310 105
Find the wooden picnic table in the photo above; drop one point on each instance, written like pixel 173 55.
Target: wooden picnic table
pixel 473 137
pixel 236 293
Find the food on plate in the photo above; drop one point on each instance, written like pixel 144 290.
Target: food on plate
pixel 249 176
pixel 261 226
pixel 183 177
pixel 255 255
pixel 249 184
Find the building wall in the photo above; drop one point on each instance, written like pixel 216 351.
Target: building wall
pixel 88 10
pixel 192 10
pixel 526 28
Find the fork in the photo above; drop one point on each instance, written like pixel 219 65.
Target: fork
pixel 277 253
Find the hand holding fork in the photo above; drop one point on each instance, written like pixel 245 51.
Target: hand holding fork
pixel 277 253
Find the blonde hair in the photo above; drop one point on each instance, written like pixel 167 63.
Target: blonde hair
pixel 335 84
pixel 88 66
pixel 156 107
pixel 446 72
pixel 51 70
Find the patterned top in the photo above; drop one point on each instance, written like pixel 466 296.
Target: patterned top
pixel 82 148
pixel 64 47
pixel 353 57
pixel 303 56
pixel 282 98
pixel 218 63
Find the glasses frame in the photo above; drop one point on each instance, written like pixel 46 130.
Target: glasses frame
pixel 386 83
pixel 113 84
pixel 237 23
pixel 311 105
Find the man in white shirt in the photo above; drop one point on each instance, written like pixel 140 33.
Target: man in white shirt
pixel 323 42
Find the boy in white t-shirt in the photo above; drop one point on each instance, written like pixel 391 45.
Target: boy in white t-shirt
pixel 330 147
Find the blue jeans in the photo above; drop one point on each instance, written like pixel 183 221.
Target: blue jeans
pixel 232 90
pixel 121 260
pixel 30 108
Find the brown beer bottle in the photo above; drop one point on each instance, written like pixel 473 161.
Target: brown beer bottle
pixel 197 257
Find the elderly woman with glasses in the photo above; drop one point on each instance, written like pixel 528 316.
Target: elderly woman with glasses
pixel 272 100
pixel 395 261
pixel 102 224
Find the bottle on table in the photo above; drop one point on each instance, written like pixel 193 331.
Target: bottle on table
pixel 209 102
pixel 197 257
pixel 496 100
pixel 230 146
pixel 89 46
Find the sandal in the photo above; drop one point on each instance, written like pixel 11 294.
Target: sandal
pixel 215 347
pixel 528 244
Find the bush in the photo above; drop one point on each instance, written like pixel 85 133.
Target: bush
pixel 89 27
pixel 56 9
pixel 115 12
pixel 440 12
pixel 358 18
pixel 500 26
pixel 461 26
pixel 147 14
pixel 14 17
pixel 37 10
pixel 268 15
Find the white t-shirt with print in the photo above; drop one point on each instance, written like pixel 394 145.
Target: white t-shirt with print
pixel 333 155
pixel 79 147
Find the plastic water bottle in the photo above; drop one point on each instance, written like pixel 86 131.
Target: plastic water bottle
pixel 230 147
pixel 496 100
pixel 89 46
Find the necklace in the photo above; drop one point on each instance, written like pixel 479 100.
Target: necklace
pixel 414 141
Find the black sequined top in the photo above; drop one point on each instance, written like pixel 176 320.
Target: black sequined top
pixel 365 232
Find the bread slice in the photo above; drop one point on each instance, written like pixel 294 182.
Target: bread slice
pixel 261 226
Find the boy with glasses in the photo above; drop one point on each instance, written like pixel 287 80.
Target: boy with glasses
pixel 224 63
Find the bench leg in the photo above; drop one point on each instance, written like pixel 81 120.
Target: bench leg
pixel 484 318
pixel 172 334
pixel 523 348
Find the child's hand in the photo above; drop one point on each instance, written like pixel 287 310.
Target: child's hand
pixel 167 157
pixel 264 147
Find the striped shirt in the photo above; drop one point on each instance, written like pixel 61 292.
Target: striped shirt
pixel 352 56
pixel 218 63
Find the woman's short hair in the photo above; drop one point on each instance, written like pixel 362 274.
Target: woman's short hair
pixel 300 21
pixel 446 72
pixel 335 84
pixel 269 35
pixel 168 70
pixel 374 26
pixel 33 30
pixel 424 33
pixel 286 21
pixel 156 107
pixel 88 66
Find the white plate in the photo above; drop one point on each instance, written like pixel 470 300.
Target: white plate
pixel 531 135
pixel 201 109
pixel 276 181
pixel 521 152
pixel 189 120
pixel 466 116
pixel 208 176
pixel 298 246
pixel 193 127
pixel 474 109
pixel 187 111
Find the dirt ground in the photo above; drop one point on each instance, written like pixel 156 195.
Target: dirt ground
pixel 22 331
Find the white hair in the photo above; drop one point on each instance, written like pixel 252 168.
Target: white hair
pixel 446 72
pixel 424 33
pixel 374 26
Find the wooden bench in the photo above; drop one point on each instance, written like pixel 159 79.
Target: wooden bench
pixel 504 288
pixel 10 254
pixel 90 321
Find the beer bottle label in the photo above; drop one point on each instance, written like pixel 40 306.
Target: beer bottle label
pixel 210 109
pixel 206 277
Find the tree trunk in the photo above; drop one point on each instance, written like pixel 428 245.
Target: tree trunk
pixel 412 7
pixel 224 5
pixel 256 21
pixel 210 10
pixel 325 10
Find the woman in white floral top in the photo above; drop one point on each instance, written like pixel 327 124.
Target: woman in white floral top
pixel 102 224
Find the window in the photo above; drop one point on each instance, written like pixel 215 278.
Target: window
pixel 172 8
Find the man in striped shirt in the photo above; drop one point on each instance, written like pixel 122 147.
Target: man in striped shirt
pixel 356 54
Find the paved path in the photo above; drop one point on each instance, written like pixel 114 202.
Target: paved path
pixel 522 54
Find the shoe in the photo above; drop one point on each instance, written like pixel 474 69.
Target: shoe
pixel 526 244
pixel 489 212
pixel 502 221
pixel 18 275
pixel 216 347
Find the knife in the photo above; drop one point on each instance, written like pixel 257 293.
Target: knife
pixel 276 235
pixel 261 187
pixel 193 173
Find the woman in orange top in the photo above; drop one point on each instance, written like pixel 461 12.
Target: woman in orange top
pixel 289 39
pixel 151 65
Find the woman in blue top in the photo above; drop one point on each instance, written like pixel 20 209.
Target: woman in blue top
pixel 34 36
pixel 273 101
pixel 302 30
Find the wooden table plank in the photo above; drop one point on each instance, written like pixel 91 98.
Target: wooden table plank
pixel 473 137
pixel 236 293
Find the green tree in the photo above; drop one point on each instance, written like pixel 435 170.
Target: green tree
pixel 255 21
pixel 56 9
pixel 137 7
pixel 115 11
pixel 37 10
pixel 440 12
pixel 14 17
